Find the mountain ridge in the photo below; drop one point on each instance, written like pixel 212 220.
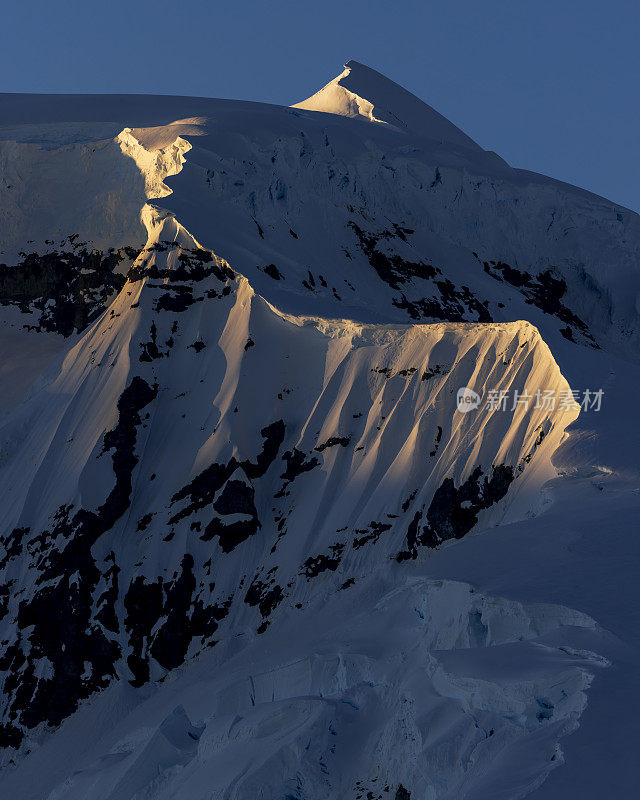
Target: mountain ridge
pixel 233 485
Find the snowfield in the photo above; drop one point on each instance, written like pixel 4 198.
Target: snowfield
pixel 249 545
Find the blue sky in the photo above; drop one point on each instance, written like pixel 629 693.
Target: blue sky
pixel 551 86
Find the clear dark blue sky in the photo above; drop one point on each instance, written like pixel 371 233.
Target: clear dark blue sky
pixel 551 85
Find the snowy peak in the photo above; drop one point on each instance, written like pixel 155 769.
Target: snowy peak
pixel 360 91
pixel 234 344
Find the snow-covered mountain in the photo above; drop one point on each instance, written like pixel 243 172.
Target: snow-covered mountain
pixel 252 546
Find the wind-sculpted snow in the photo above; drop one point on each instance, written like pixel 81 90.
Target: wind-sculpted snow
pixel 231 447
pixel 215 510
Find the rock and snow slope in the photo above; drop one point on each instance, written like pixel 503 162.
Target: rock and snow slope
pixel 231 458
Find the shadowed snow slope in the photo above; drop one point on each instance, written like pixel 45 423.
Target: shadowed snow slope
pixel 236 486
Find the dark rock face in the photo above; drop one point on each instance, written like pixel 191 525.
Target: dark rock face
pixel 273 272
pixel 443 299
pixel 454 511
pixel 143 604
pixel 194 265
pixel 266 595
pixel 314 565
pixel 150 350
pixel 273 436
pixel 391 268
pixel 545 291
pixel 297 464
pixel 333 441
pixel 201 490
pixel 71 621
pixel 179 288
pixel 453 305
pixel 230 535
pixel 65 290
pixel 370 534
pixel 436 442
pixel 56 623
pixel 237 497
pixel 448 302
pixel 186 617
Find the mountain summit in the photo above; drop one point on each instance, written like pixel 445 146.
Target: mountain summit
pixel 360 91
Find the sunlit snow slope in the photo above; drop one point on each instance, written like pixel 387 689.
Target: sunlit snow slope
pixel 231 460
